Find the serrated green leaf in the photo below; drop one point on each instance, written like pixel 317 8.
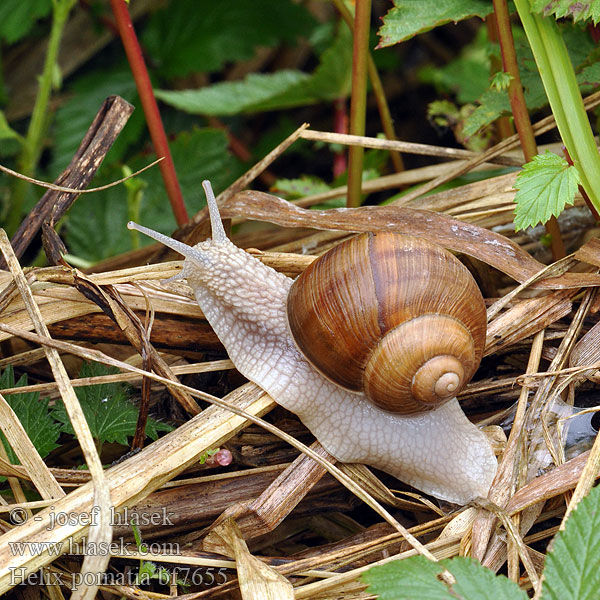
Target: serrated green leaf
pixel 201 35
pixel 579 11
pixel 545 186
pixel 572 568
pixel 110 415
pixel 97 225
pixel 33 414
pixel 411 17
pixel 475 582
pixel 417 577
pixel 414 577
pixel 233 97
pixel 17 17
pixel 273 91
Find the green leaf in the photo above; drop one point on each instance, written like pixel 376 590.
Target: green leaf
pixel 307 185
pixel 581 51
pixel 545 186
pixel 411 17
pixel 11 141
pixel 282 89
pixel 475 582
pixel 468 74
pixel 580 44
pixel 201 35
pixel 492 104
pixel 589 76
pixel 572 568
pixel 74 117
pixel 17 17
pixel 414 577
pixel 97 225
pixel 33 414
pixel 332 78
pixel 6 131
pixel 233 97
pixel 110 415
pixel 580 11
pixel 417 577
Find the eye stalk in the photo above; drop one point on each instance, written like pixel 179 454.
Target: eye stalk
pixel 398 326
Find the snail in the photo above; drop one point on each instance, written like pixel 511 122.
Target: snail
pixel 363 406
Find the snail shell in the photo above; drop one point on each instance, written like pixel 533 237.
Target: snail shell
pixel 394 316
pixel 440 452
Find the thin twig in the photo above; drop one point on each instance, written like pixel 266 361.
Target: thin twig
pixel 62 188
pixel 407 147
pixel 146 94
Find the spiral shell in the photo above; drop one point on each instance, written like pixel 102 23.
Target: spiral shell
pixel 394 316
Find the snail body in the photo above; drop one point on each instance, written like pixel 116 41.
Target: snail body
pixel 438 451
pixel 392 315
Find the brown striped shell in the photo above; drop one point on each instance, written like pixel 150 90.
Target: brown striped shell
pixel 394 316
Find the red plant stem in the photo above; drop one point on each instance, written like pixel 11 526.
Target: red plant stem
pixel 519 109
pixel 594 32
pixel 150 107
pixel 358 104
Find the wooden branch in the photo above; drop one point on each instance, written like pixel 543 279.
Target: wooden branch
pixel 106 126
pixel 199 504
pixel 264 513
pixel 191 335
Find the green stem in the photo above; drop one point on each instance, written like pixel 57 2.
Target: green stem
pixel 385 115
pixel 561 87
pixel 358 105
pixel 32 146
pixel 534 29
pixel 577 120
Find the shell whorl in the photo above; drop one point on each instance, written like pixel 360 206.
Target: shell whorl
pixel 394 316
